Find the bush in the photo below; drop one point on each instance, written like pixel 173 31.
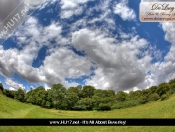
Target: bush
pixel 79 107
pixel 143 99
pixel 153 97
pixel 163 88
pixel 104 107
pixel 83 104
pixel 163 97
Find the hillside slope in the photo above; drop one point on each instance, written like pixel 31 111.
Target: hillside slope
pixel 10 108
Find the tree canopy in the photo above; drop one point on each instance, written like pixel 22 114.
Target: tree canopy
pixel 88 97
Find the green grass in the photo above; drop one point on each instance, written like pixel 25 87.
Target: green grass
pixel 10 108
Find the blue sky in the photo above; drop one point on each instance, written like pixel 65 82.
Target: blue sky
pixel 89 42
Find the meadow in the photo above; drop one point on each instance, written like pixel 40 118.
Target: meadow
pixel 10 108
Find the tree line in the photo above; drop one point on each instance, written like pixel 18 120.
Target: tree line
pixel 88 97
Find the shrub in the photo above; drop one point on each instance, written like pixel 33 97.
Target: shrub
pixel 163 97
pixel 83 104
pixel 104 107
pixel 143 99
pixel 153 97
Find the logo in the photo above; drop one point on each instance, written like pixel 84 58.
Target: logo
pixel 157 11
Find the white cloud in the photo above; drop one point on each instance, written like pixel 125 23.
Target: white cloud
pixel 69 13
pixel 30 38
pixel 163 71
pixel 72 7
pixel 61 63
pixel 114 58
pixel 13 85
pixel 169 29
pixel 64 63
pixel 124 11
pixel 118 66
pixel 72 4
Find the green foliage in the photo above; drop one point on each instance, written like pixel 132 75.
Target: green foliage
pixel 19 95
pixel 102 97
pixel 146 92
pixel 57 94
pixel 37 96
pixel 88 91
pixel 71 99
pixel 134 95
pixel 172 86
pixel 1 88
pixel 8 93
pixel 172 81
pixel 153 97
pixel 76 90
pixel 89 98
pixel 121 96
pixel 164 96
pixel 143 99
pixel 153 89
pixel 164 88
pixel 104 107
pixel 83 104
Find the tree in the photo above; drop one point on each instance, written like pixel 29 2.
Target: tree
pixel 9 93
pixel 103 99
pixel 36 96
pixel 76 90
pixel 19 95
pixel 58 93
pixel 146 92
pixel 121 96
pixel 88 91
pixel 164 90
pixel 153 97
pixel 1 88
pixel 153 89
pixel 71 99
pixel 84 104
pixel 172 85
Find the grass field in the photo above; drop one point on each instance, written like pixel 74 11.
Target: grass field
pixel 10 108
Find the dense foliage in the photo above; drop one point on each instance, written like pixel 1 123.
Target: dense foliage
pixel 89 98
pixel 1 88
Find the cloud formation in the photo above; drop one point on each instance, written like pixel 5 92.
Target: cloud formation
pixel 117 65
pixel 120 60
pixel 124 11
pixel 13 85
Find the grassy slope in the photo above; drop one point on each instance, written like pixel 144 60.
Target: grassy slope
pixel 10 108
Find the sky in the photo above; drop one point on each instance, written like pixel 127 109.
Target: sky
pixel 87 42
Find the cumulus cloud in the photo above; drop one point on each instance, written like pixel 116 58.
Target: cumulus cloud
pixel 117 65
pixel 118 62
pixel 164 70
pixel 61 63
pixel 13 85
pixel 33 32
pixel 72 7
pixel 124 11
pixel 64 63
